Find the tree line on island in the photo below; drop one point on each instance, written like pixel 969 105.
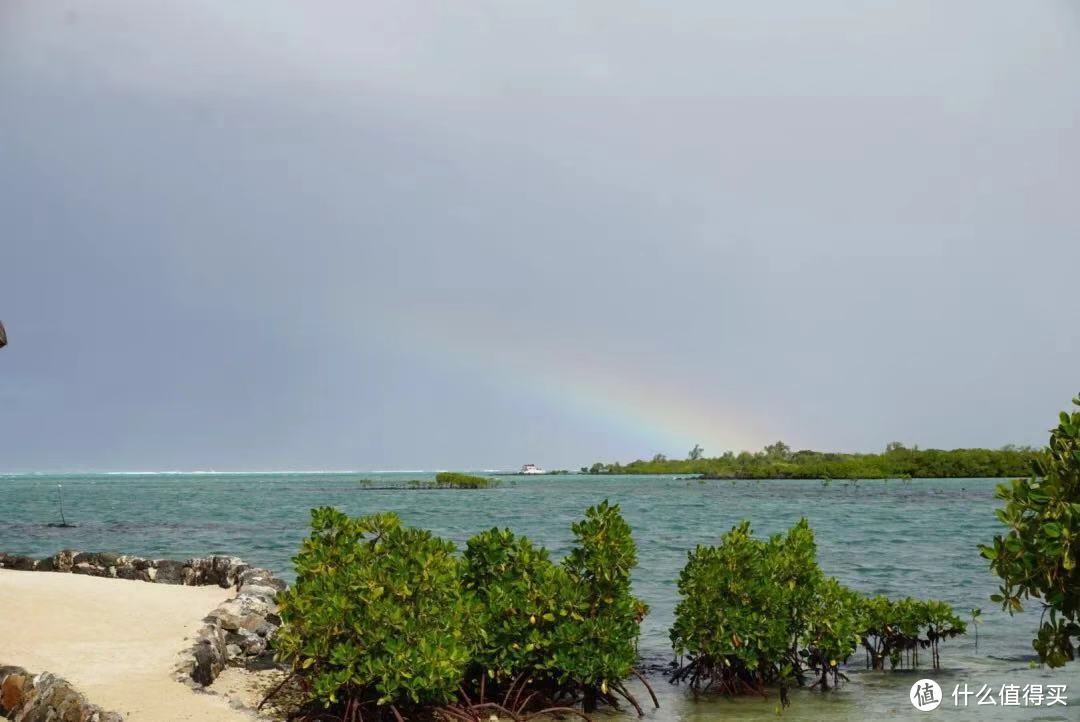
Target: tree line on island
pixel 779 461
pixel 387 622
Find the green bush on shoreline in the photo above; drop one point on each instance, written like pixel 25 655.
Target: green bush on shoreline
pixel 758 612
pixel 387 619
pixel 376 613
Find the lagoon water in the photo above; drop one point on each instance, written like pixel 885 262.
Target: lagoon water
pixel 914 538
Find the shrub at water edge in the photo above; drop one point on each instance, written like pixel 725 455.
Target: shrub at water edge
pixel 377 616
pixel 897 630
pixel 600 649
pixel 1037 557
pixel 385 619
pixel 757 612
pixel 742 611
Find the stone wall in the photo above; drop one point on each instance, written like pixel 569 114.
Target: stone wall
pixel 44 697
pixel 220 570
pixel 237 632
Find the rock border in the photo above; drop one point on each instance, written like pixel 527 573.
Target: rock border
pixel 237 633
pixel 25 698
pixel 223 571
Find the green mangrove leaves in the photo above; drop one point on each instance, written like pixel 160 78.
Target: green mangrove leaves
pixel 383 616
pixel 1037 557
pixel 755 612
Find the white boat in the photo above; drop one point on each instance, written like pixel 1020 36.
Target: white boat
pixel 532 469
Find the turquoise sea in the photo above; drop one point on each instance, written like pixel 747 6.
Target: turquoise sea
pixel 914 538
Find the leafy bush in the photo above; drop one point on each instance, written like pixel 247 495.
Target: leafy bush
pixel 743 603
pixel 522 596
pixel 386 617
pixel 1037 557
pixel 834 621
pixel 756 612
pixel 897 630
pixel 571 629
pixel 377 615
pixel 597 646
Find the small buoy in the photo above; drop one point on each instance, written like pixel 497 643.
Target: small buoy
pixel 3 336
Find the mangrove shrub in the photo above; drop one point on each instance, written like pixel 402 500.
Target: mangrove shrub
pixel 1037 557
pixel 384 617
pixel 598 644
pixel 895 630
pixel 745 605
pixel 377 615
pixel 522 596
pixel 755 612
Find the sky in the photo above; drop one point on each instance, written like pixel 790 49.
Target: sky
pixel 412 235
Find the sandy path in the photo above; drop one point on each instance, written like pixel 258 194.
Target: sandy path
pixel 117 641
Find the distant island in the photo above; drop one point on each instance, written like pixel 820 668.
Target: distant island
pixel 778 461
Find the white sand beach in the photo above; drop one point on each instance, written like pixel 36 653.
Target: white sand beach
pixel 116 641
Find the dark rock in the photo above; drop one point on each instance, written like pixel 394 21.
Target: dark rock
pixel 89 569
pixel 134 573
pixel 210 657
pixel 171 572
pixel 19 562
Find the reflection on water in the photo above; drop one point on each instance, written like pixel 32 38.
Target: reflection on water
pixel 898 538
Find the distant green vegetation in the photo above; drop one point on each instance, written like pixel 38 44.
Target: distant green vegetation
pixel 442 480
pixel 455 480
pixel 778 461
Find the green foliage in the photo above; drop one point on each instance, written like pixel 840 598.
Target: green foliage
pixel 383 615
pixel 834 622
pixel 1037 556
pixel 522 598
pixel 455 480
pixel 733 616
pixel 598 645
pixel 442 480
pixel 755 612
pixel 778 461
pixel 897 630
pixel 376 614
pixel 695 453
pixel 570 627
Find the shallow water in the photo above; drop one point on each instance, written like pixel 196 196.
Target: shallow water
pixel 914 538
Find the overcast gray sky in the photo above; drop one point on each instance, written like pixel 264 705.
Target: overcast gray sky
pixel 472 235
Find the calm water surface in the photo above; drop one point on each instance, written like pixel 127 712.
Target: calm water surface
pixel 918 538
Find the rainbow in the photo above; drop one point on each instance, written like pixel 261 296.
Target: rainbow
pixel 658 414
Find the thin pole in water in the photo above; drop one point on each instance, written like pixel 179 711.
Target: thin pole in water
pixel 60 491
